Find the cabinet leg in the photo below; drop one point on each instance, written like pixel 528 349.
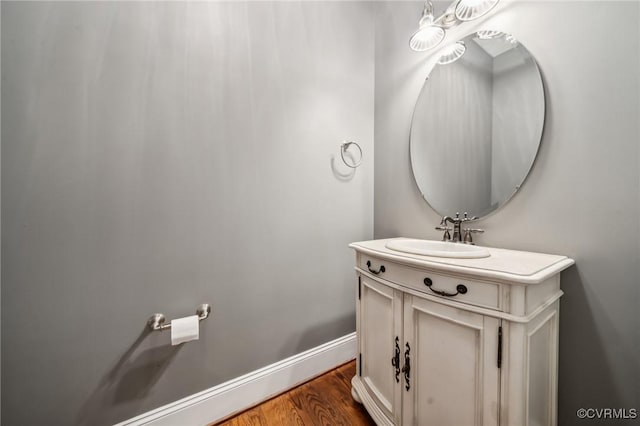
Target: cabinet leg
pixel 354 395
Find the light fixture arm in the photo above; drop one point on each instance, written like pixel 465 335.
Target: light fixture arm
pixel 427 14
pixel 448 18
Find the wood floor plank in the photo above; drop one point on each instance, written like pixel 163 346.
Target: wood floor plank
pixel 352 412
pixel 323 410
pixel 281 411
pixel 324 401
pixel 324 407
pixel 245 420
pixel 296 398
pixel 348 369
pixel 346 372
pixel 253 417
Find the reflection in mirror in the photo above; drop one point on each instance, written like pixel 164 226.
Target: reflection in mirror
pixel 477 124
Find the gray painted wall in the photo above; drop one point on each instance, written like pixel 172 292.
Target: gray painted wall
pixel 161 155
pixel 582 198
pixel 148 166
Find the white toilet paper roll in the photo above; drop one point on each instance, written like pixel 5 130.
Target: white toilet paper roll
pixel 184 330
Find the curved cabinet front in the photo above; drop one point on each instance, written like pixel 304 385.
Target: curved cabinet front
pixel 380 310
pixel 430 359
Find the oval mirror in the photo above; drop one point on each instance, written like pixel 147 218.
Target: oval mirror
pixel 477 124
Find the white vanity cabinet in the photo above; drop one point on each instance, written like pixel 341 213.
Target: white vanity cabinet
pixel 457 342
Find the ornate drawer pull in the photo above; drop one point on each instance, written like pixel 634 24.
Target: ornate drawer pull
pixel 382 269
pixel 395 361
pixel 461 289
pixel 407 366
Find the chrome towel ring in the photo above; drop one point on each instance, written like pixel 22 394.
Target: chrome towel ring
pixel 344 147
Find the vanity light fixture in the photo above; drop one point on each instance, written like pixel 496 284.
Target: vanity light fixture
pixel 468 10
pixel 428 35
pixel 489 34
pixel 452 53
pixel 511 39
pixel 431 31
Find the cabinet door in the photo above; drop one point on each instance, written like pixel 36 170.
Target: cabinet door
pixel 453 376
pixel 380 322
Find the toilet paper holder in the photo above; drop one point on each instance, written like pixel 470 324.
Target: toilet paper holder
pixel 156 322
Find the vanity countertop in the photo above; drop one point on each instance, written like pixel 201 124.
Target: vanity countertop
pixel 513 266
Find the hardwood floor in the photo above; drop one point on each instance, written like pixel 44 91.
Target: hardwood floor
pixel 325 400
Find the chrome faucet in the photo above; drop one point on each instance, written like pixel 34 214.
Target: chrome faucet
pixel 457 229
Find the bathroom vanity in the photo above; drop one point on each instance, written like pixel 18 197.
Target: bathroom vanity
pixel 448 341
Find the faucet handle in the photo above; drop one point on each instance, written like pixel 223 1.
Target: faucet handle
pixel 446 229
pixel 467 235
pixel 466 217
pixel 475 230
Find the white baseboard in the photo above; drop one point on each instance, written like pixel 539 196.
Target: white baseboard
pixel 231 397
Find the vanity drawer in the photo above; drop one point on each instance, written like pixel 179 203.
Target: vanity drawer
pixel 478 293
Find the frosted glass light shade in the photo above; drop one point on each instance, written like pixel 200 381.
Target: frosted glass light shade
pixel 452 53
pixel 511 39
pixel 468 10
pixel 489 34
pixel 427 37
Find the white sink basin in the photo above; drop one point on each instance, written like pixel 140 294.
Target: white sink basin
pixel 438 248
